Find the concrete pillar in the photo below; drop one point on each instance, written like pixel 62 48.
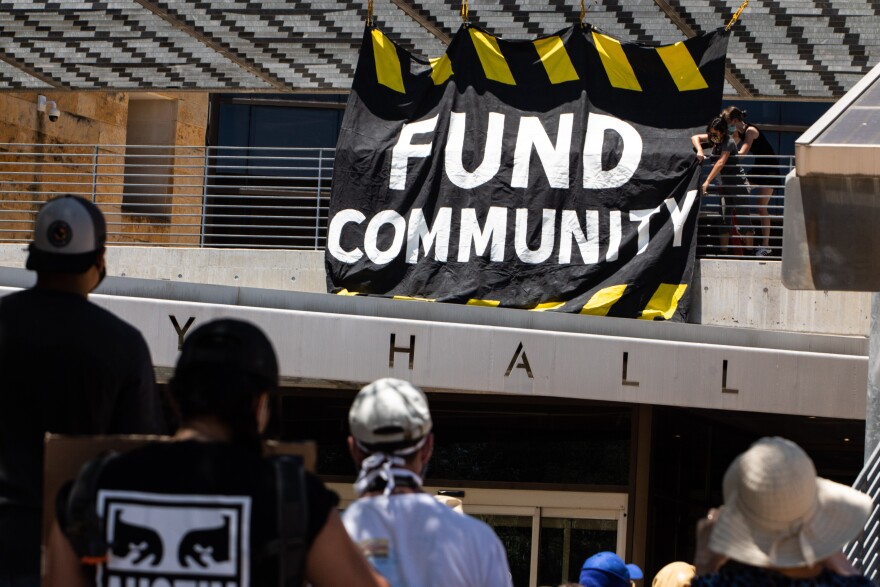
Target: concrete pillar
pixel 872 410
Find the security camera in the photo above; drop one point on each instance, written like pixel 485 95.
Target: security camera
pixel 49 107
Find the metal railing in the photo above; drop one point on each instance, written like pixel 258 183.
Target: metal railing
pixel 266 197
pixel 864 550
pixel 239 197
pixel 734 225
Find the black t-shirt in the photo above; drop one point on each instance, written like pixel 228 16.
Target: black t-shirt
pixel 195 512
pixel 732 177
pixel 70 367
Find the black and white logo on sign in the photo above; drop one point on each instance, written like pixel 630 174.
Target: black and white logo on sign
pixel 175 540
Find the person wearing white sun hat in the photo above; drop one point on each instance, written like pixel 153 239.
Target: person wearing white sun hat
pixel 780 524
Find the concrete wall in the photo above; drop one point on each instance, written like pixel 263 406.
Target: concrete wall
pixel 86 118
pixel 94 118
pixel 750 294
pixel 745 294
pixel 269 269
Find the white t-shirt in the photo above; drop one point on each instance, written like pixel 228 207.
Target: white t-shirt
pixel 415 541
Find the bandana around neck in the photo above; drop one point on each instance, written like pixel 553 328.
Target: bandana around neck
pixel 386 467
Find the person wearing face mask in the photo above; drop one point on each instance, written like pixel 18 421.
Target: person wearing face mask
pixel 409 537
pixel 68 366
pixel 765 172
pixel 732 182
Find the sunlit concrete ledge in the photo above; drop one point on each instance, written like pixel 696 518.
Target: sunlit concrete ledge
pixel 746 293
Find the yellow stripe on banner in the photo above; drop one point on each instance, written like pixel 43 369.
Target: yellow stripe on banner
pixel 682 67
pixel 547 306
pixel 493 62
pixel 664 301
pixel 441 69
pixel 408 298
pixel 487 303
pixel 602 300
pixel 555 59
pixel 387 62
pixel 345 292
pixel 620 72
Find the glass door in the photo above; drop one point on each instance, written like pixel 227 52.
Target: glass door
pixel 566 542
pixel 515 526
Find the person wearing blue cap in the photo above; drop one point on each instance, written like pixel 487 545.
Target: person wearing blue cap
pixel 606 569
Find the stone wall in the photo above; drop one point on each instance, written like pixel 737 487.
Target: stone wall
pixel 83 153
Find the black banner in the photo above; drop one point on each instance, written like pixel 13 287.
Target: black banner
pixel 554 174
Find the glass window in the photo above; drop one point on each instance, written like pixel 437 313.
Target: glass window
pixel 489 439
pixel 515 533
pixel 566 543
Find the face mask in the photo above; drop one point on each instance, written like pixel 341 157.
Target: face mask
pixel 731 129
pixel 102 273
pixel 715 139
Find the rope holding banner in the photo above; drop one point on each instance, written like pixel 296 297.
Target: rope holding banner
pixel 736 15
pixel 464 12
pixel 585 8
pixel 369 12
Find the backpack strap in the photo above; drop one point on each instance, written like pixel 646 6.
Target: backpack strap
pixel 291 546
pixel 77 512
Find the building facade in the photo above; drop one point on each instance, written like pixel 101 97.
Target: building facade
pixel 568 434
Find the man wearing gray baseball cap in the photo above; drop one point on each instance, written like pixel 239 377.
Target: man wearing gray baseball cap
pixel 68 367
pixel 408 536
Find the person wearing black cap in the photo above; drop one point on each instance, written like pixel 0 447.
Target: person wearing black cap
pixel 209 508
pixel 68 366
pixel 411 538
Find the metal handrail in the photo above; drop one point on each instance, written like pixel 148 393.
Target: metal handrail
pixel 262 197
pixel 864 550
pixel 745 226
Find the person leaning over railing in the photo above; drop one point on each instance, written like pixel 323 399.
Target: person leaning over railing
pixel 732 181
pixel 753 142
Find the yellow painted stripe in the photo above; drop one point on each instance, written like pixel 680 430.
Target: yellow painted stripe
pixel 620 72
pixel 488 303
pixel 682 67
pixel 547 306
pixel 411 299
pixel 345 292
pixel 441 69
pixel 387 62
pixel 493 62
pixel 602 300
pixel 555 59
pixel 664 301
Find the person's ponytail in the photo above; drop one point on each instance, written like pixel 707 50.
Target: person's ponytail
pixel 229 397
